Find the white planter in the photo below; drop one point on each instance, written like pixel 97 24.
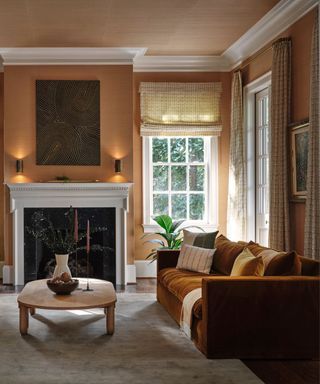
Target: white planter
pixel 62 265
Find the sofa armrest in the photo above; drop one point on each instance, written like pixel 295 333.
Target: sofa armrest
pixel 167 258
pixel 250 317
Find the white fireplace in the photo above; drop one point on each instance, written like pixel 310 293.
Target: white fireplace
pixel 64 195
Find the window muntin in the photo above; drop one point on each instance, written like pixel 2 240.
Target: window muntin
pixel 180 177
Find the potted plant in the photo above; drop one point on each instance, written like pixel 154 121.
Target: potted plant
pixel 171 235
pixel 62 242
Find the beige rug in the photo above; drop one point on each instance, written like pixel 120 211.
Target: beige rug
pixel 72 347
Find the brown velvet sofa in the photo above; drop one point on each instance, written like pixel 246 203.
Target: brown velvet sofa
pixel 267 317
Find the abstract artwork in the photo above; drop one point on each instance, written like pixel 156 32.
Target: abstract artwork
pixel 299 143
pixel 68 122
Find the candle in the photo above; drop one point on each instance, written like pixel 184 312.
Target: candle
pixel 88 236
pixel 76 238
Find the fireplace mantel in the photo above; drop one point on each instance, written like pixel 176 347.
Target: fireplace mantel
pixel 61 195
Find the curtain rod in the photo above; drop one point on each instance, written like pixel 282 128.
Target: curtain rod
pixel 241 66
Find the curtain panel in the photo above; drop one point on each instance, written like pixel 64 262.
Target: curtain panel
pixel 180 109
pixel 237 189
pixel 279 225
pixel 312 214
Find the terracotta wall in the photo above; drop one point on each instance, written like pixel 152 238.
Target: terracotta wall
pixel 1 171
pixel 20 133
pixel 254 67
pixel 141 250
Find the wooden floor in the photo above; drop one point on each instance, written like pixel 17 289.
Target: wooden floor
pixel 269 371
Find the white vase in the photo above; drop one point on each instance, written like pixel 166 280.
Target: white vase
pixel 62 265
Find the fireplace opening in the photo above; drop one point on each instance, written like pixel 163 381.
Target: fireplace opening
pixel 39 260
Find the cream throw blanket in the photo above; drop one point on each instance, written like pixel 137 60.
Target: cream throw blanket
pixel 186 311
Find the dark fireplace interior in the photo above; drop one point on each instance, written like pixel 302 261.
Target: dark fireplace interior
pixel 39 260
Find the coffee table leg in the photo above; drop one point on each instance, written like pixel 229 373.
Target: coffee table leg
pixel 110 319
pixel 32 311
pixel 24 320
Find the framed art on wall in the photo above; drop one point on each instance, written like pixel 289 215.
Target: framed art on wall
pixel 68 122
pixel 299 159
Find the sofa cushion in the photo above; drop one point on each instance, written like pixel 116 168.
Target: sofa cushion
pixel 180 282
pixel 277 263
pixel 246 264
pixel 199 239
pixel 225 255
pixel 195 259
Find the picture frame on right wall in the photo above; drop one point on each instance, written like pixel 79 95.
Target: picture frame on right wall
pixel 299 159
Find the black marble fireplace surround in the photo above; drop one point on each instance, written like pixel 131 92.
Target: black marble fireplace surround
pixel 39 261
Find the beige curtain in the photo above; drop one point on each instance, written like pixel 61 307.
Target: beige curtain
pixel 312 217
pixel 237 189
pixel 279 223
pixel 180 109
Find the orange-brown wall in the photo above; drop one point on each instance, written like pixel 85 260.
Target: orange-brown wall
pixel 141 250
pixel 20 129
pixel 254 67
pixel 1 172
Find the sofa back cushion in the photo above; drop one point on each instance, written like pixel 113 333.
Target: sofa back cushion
pixel 199 239
pixel 277 263
pixel 309 267
pixel 195 259
pixel 225 255
pixel 246 264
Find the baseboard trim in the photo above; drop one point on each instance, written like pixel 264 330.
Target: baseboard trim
pixel 145 268
pixel 1 269
pixel 7 272
pixel 131 274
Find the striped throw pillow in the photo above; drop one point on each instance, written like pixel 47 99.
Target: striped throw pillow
pixel 195 259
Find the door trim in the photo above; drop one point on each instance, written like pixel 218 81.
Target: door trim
pixel 249 92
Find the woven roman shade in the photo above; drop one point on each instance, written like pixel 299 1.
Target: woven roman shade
pixel 180 109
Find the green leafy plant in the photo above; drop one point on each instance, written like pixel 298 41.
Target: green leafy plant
pixel 59 241
pixel 171 235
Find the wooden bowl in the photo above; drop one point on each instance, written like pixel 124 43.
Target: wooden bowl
pixel 63 288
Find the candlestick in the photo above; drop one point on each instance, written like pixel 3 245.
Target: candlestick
pixel 88 236
pixel 88 252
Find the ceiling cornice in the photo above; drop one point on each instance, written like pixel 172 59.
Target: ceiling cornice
pixel 278 19
pixel 70 56
pixel 181 64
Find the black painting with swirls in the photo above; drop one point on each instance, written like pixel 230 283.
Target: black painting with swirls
pixel 68 122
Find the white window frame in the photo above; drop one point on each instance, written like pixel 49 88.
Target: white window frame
pixel 250 123
pixel 212 214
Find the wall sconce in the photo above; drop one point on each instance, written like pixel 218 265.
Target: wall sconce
pixel 117 165
pixel 19 166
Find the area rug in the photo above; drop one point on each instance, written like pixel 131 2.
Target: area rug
pixel 72 347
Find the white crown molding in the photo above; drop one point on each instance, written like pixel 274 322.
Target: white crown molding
pixel 181 64
pixel 277 20
pixel 70 56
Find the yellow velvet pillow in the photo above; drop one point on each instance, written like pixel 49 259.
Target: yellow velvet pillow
pixel 246 264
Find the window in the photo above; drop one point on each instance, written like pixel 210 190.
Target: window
pixel 180 179
pixel 180 123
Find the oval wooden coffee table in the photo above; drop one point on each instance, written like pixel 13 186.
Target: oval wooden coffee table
pixel 36 294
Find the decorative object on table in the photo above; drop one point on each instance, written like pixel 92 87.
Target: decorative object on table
pixel 62 241
pixel 88 253
pixel 171 234
pixel 61 265
pixel 76 237
pixel 62 284
pixel 299 159
pixel 68 122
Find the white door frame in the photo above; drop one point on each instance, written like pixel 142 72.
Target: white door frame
pixel 249 92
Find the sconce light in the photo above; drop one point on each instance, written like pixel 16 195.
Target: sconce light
pixel 19 166
pixel 117 165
